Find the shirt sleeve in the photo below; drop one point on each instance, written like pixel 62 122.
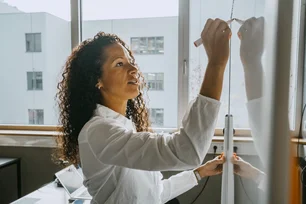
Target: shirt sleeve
pixel 113 144
pixel 177 185
pixel 256 126
pixel 261 181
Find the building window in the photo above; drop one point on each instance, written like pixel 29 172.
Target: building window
pixel 155 81
pixel 147 45
pixel 36 116
pixel 35 81
pixel 33 42
pixel 157 117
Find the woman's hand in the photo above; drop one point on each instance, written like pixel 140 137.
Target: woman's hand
pixel 215 37
pixel 245 169
pixel 212 167
pixel 251 34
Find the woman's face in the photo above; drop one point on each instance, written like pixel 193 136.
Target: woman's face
pixel 120 79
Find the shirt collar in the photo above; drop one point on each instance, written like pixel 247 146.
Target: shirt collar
pixel 106 112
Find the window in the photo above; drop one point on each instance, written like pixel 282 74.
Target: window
pixel 35 81
pixel 157 117
pixel 147 45
pixel 233 100
pixel 33 42
pixel 155 81
pixel 48 27
pixel 146 31
pixel 36 116
pixel 37 43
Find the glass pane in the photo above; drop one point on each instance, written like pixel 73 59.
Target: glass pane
pixel 40 117
pixel 31 114
pixel 145 75
pixel 157 117
pixel 248 67
pixel 151 76
pixel 143 45
pixel 37 42
pixel 29 42
pixel 233 99
pixel 147 32
pixel 151 45
pixel 160 45
pixel 135 45
pixel 40 32
pixel 160 76
pixel 200 11
pixel 30 80
pixel 238 100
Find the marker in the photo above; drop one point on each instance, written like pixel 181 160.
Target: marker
pixel 199 42
pixel 239 21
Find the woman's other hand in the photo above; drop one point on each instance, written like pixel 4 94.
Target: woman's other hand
pixel 212 167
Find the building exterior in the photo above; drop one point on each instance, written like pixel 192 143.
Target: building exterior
pixel 36 46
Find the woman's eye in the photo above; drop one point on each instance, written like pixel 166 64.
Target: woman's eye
pixel 119 64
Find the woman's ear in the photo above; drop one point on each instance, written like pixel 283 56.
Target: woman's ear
pixel 99 85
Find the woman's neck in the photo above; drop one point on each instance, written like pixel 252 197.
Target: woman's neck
pixel 116 105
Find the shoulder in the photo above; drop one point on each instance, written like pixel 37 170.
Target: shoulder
pixel 100 126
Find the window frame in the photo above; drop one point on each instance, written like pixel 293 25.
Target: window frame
pixel 36 113
pixel 34 81
pixel 183 74
pixel 151 110
pixel 147 45
pixel 33 37
pixel 156 81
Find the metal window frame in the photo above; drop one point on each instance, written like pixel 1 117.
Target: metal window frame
pixel 155 81
pixel 34 81
pixel 76 22
pixel 32 40
pixel 156 51
pixel 36 118
pixel 183 56
pixel 300 72
pixel 153 110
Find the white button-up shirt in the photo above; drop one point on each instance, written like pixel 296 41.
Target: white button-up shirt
pixel 121 166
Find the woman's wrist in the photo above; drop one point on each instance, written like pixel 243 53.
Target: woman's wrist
pixel 197 175
pixel 199 172
pixel 216 67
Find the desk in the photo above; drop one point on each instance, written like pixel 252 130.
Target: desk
pixel 49 193
pixel 5 162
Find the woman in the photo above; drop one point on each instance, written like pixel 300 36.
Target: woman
pixel 106 127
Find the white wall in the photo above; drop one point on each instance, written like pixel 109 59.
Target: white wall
pixel 58 43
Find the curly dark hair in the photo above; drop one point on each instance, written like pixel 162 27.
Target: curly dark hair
pixel 78 95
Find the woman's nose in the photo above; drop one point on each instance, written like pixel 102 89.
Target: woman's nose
pixel 134 71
